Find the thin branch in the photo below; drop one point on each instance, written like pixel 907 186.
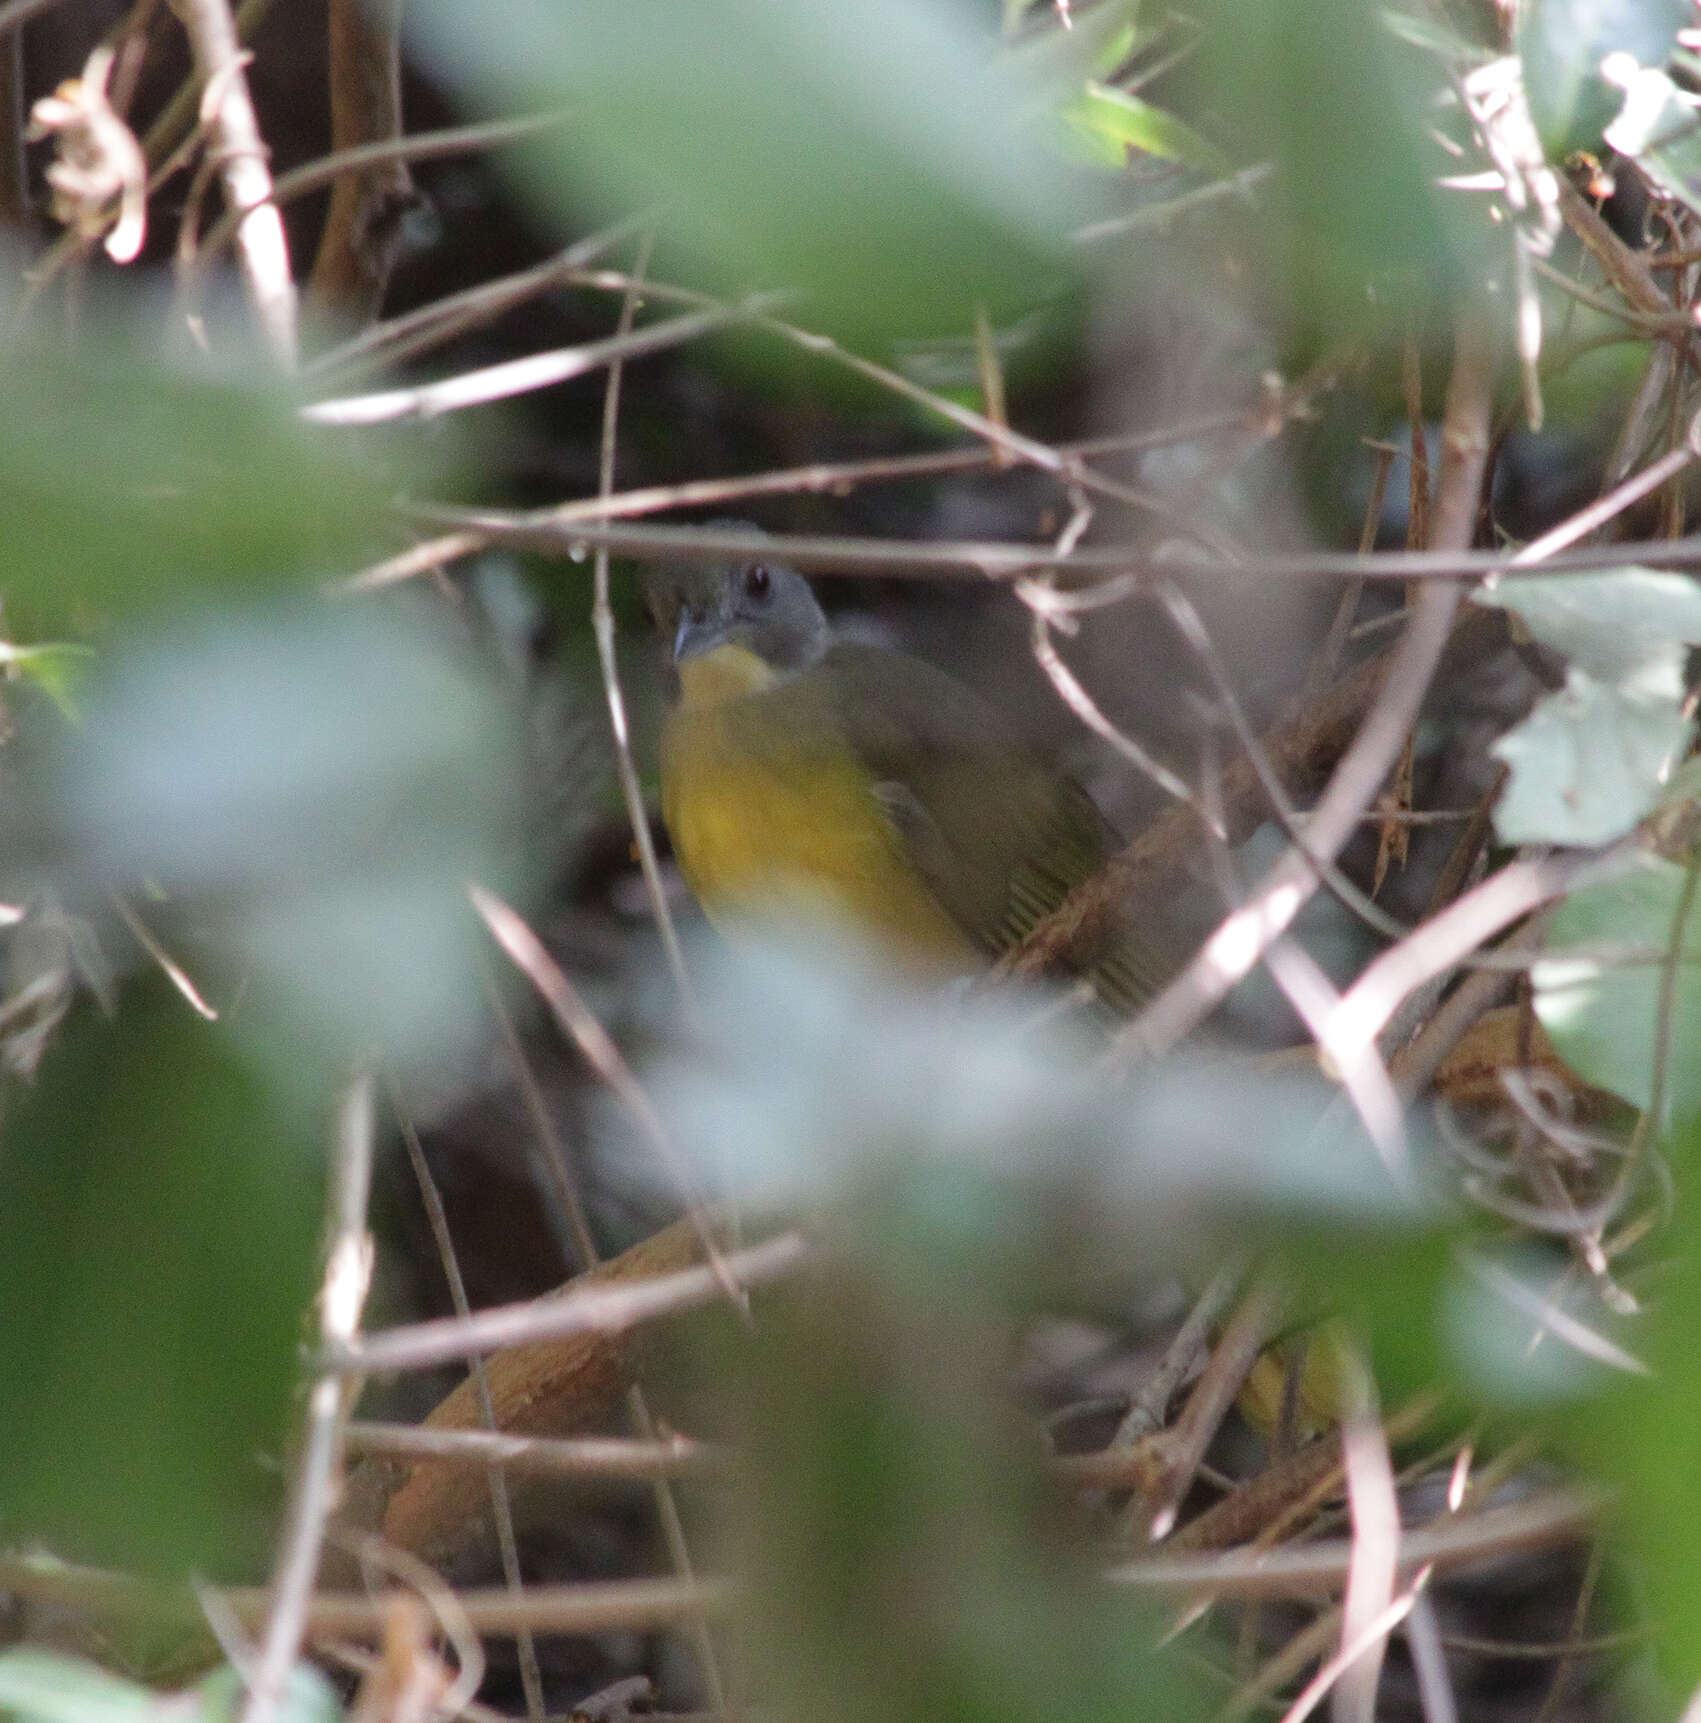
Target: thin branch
pixel 584 1459
pixel 1244 937
pixel 581 1026
pixel 441 320
pixel 260 241
pixel 543 530
pixel 1554 1516
pixel 600 1308
pixel 1449 938
pixel 602 627
pixel 1375 1512
pixel 362 232
pixel 501 1507
pixel 515 376
pixel 348 1270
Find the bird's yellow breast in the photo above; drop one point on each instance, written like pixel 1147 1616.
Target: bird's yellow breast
pixel 771 813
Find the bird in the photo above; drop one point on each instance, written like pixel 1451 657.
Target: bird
pixel 800 771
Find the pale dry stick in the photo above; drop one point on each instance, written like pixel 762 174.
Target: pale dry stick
pixel 1162 214
pixel 1359 1067
pixel 1429 1663
pixel 442 320
pixel 348 1271
pixel 501 1506
pixel 174 971
pixel 441 1599
pixel 1374 1510
pixel 1309 1645
pixel 1373 1634
pixel 599 1309
pixel 817 477
pixel 581 1026
pixel 1447 939
pixel 590 1607
pixel 1068 468
pixel 1001 560
pixel 1243 938
pixel 667 1504
pixel 1323 666
pixel 1245 1336
pixel 1191 625
pixel 512 377
pixel 1312 994
pixel 260 242
pixel 602 626
pixel 588 1459
pixel 1034 594
pixel 1146 1414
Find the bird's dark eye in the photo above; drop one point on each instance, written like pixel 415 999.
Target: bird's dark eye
pixel 758 582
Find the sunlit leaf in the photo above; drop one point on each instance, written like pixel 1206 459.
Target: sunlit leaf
pixel 1562 44
pixel 1595 757
pixel 1587 764
pixel 1126 122
pixel 1597 986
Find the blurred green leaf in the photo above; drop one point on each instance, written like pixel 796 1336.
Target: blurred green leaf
pixel 310 789
pixel 1562 44
pixel 1597 986
pixel 308 1696
pixel 159 1207
pixel 1593 758
pixel 56 668
pixel 1125 122
pixel 39 1686
pixel 1643 1440
pixel 904 1559
pixel 869 152
pixel 132 484
pixel 1343 107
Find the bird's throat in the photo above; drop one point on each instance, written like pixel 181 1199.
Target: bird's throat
pixel 727 673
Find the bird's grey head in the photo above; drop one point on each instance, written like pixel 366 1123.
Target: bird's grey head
pixel 759 604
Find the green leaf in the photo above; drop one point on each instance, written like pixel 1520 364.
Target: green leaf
pixel 131 484
pixel 159 1210
pixel 308 1696
pixel 49 1687
pixel 1597 986
pixel 1594 758
pixel 1343 109
pixel 56 668
pixel 310 789
pixel 1125 122
pixel 1562 44
pixel 1587 764
pixel 872 153
pixel 1613 623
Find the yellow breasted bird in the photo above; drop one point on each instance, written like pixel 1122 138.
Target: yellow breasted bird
pixel 798 769
pixel 803 771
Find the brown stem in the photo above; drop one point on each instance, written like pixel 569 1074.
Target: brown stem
pixel 357 249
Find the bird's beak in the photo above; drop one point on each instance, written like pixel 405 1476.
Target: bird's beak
pixel 697 633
